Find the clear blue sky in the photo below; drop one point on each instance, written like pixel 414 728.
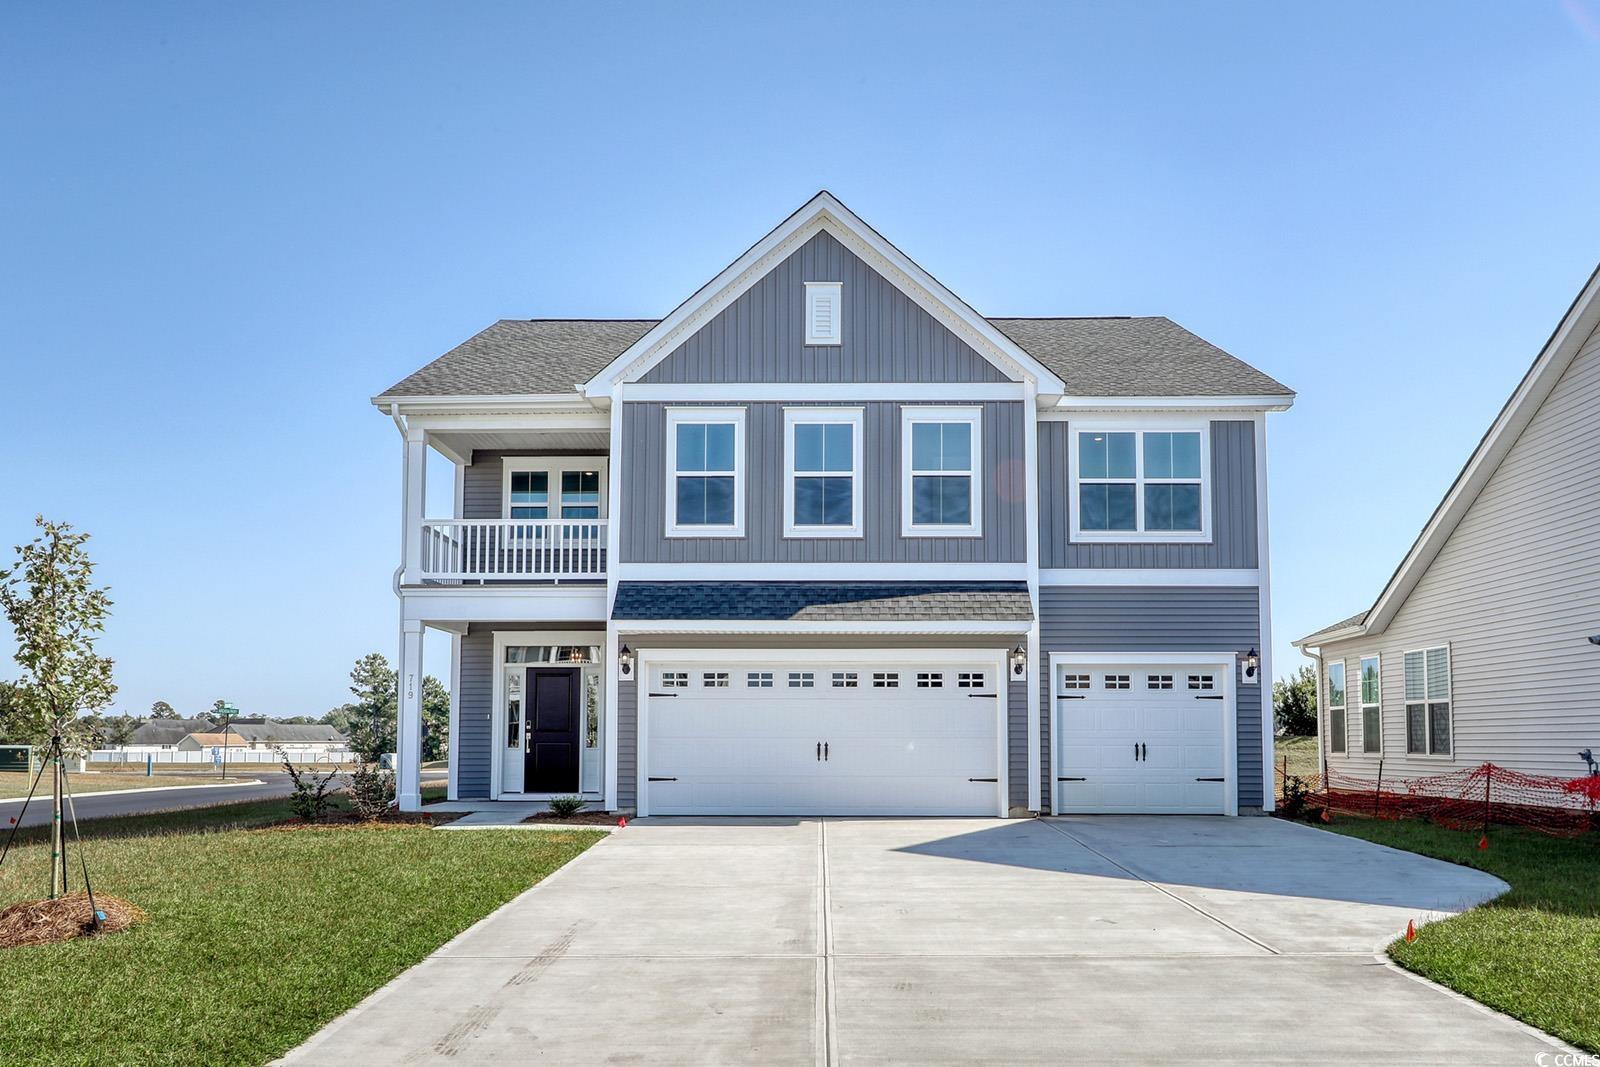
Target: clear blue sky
pixel 224 227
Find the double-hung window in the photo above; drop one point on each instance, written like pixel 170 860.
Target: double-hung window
pixel 941 482
pixel 822 485
pixel 1336 706
pixel 1427 673
pixel 705 472
pixel 543 488
pixel 1371 705
pixel 1139 485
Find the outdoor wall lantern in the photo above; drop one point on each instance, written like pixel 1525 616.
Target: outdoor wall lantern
pixel 1595 640
pixel 625 661
pixel 1252 664
pixel 1019 661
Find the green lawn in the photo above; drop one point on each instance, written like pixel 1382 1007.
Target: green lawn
pixel 82 783
pixel 1535 952
pixel 256 938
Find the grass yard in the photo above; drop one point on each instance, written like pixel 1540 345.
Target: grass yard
pixel 256 937
pixel 1535 952
pixel 13 785
pixel 1301 752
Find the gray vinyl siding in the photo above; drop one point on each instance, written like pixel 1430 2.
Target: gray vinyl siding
pixel 1233 509
pixel 1155 619
pixel 1017 745
pixel 760 337
pixel 1515 593
pixel 470 736
pixel 644 487
pixel 627 745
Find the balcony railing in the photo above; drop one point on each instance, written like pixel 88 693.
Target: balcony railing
pixel 513 550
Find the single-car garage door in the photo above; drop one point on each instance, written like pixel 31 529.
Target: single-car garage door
pixel 1136 738
pixel 823 735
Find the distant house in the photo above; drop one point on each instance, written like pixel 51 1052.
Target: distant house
pixel 163 735
pixel 261 735
pixel 1482 647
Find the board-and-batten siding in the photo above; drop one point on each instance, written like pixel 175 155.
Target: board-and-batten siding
pixel 471 735
pixel 1155 619
pixel 1233 509
pixel 760 337
pixel 644 487
pixel 1515 593
pixel 1017 745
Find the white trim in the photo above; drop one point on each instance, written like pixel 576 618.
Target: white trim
pixel 1187 403
pixel 445 605
pixel 1361 694
pixel 1580 321
pixel 1224 662
pixel 1269 793
pixel 723 416
pixel 1140 427
pixel 504 639
pixel 1427 716
pixel 905 392
pixel 555 466
pixel 866 657
pixel 453 751
pixel 826 291
pixel 458 402
pixel 1030 497
pixel 817 572
pixel 997 627
pixel 909 417
pixel 855 418
pixel 1202 576
pixel 822 212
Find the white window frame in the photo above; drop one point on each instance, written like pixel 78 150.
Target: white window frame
pixel 734 416
pixel 909 417
pixel 1342 709
pixel 813 290
pixel 1427 718
pixel 554 466
pixel 1362 701
pixel 803 416
pixel 1139 426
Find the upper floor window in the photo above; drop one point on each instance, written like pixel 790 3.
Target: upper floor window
pixel 1336 706
pixel 543 487
pixel 1427 677
pixel 824 313
pixel 822 485
pixel 1143 485
pixel 940 481
pixel 705 472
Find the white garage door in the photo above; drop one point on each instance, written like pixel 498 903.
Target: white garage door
pixel 820 737
pixel 1145 739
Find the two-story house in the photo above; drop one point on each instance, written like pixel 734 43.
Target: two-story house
pixel 824 540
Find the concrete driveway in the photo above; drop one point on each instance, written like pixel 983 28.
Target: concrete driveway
pixel 1186 940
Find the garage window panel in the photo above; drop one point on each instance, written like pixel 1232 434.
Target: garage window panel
pixel 758 679
pixel 714 679
pixel 1202 682
pixel 885 680
pixel 846 680
pixel 802 680
pixel 969 680
pixel 1158 681
pixel 930 680
pixel 674 679
pixel 1075 681
pixel 1118 681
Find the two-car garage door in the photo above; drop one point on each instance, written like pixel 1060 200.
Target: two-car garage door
pixel 1141 738
pixel 821 735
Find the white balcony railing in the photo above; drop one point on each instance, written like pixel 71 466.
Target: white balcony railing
pixel 513 549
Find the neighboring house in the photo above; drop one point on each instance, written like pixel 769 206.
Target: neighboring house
pixel 293 738
pixel 162 735
pixel 824 540
pixel 1482 647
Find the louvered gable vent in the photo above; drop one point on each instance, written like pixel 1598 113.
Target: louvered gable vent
pixel 824 313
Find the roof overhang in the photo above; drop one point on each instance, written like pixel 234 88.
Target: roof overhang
pixel 822 212
pixel 1581 319
pixel 1317 640
pixel 474 405
pixel 1167 403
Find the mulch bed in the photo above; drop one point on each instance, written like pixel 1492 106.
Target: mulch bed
pixel 582 818
pixel 44 922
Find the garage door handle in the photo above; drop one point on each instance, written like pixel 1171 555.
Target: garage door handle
pixel 981 696
pixel 1144 751
pixel 1216 697
pixel 1211 779
pixel 655 779
pixel 824 751
pixel 1072 779
pixel 663 694
pixel 983 779
pixel 819 751
pixel 1072 696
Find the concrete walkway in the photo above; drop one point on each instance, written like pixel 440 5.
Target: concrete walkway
pixel 1188 940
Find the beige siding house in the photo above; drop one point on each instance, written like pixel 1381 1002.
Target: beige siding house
pixel 1479 649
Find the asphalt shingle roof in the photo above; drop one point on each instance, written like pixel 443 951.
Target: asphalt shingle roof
pixel 824 601
pixel 1354 620
pixel 1148 356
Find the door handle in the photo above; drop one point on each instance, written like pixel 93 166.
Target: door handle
pixel 1136 752
pixel 819 751
pixel 1144 751
pixel 824 751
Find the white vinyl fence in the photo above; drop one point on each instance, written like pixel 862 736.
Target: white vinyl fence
pixel 235 755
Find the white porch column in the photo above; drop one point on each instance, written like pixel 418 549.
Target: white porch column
pixel 408 735
pixel 415 494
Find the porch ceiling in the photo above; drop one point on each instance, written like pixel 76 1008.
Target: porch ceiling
pixel 463 442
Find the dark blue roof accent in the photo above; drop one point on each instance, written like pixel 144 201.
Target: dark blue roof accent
pixel 824 601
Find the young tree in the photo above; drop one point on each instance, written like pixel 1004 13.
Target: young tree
pixel 57 615
pixel 162 710
pixel 1294 703
pixel 435 719
pixel 371 728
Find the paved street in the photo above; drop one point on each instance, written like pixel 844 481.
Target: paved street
pixel 1100 940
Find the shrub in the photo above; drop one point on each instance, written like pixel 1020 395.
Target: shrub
pixel 565 807
pixel 1296 793
pixel 310 798
pixel 371 791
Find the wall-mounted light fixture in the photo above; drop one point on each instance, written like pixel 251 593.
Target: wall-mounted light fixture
pixel 1019 661
pixel 1587 755
pixel 1595 640
pixel 625 661
pixel 1252 665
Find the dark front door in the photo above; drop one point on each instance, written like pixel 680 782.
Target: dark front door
pixel 553 743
